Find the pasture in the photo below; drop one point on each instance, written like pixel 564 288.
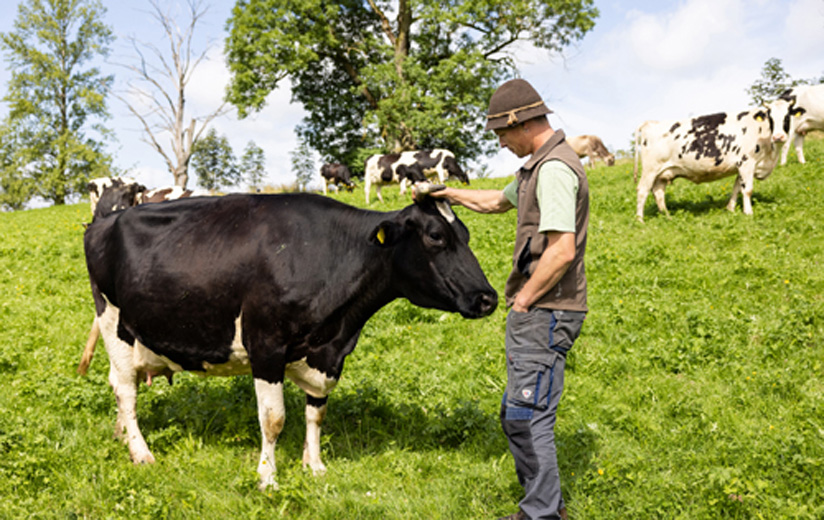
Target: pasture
pixel 696 390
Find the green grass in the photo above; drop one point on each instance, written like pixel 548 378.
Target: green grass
pixel 695 391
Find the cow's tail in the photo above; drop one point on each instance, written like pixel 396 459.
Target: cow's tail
pixel 88 352
pixel 635 165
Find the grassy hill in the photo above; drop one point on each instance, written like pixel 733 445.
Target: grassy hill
pixel 695 391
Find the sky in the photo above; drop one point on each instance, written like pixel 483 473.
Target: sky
pixel 647 59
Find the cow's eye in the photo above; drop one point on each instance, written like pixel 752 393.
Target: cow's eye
pixel 436 237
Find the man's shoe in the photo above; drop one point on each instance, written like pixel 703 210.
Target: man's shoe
pixel 563 514
pixel 520 515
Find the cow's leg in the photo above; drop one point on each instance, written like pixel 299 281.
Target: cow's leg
pixel 272 415
pixel 325 186
pixel 123 378
pixel 644 185
pixel 315 413
pixel 404 182
pixel 378 192
pixel 366 185
pixel 658 189
pixel 785 151
pixel 745 183
pixel 798 142
pixel 736 189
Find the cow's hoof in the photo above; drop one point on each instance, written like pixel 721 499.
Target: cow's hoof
pixel 268 484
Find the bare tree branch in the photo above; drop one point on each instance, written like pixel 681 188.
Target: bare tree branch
pixel 157 94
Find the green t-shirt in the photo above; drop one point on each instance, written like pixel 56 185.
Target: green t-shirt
pixel 557 192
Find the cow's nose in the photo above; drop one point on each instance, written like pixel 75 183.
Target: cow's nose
pixel 487 302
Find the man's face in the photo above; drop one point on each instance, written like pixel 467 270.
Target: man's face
pixel 515 139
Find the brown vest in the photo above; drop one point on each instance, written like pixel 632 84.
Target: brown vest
pixel 570 293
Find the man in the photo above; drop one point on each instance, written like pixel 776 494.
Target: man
pixel 546 290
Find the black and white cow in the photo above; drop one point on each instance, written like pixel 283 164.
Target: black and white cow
pixel 796 112
pixel 278 286
pixel 156 195
pixel 410 167
pixel 108 194
pixel 703 149
pixel 337 174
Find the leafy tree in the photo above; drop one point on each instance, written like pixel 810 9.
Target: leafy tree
pixel 253 165
pixel 370 83
pixel 54 99
pixel 214 162
pixel 773 82
pixel 303 165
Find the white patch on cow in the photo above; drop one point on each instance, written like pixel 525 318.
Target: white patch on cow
pixel 123 378
pixel 272 415
pixel 310 380
pixel 238 363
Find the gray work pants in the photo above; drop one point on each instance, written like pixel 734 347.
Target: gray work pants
pixel 536 345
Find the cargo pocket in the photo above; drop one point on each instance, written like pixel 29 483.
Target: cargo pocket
pixel 529 387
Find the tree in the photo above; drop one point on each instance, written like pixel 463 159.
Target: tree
pixel 214 162
pixel 371 83
pixel 253 165
pixel 774 80
pixel 157 94
pixel 303 165
pixel 54 99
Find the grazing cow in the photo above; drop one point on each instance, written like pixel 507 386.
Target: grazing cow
pixel 796 112
pixel 337 174
pixel 591 146
pixel 704 149
pixel 113 194
pixel 410 167
pixel 278 286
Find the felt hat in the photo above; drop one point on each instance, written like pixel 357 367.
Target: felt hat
pixel 514 102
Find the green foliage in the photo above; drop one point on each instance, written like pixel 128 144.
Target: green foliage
pixel 54 98
pixel 253 165
pixel 214 162
pixel 695 390
pixel 390 75
pixel 303 165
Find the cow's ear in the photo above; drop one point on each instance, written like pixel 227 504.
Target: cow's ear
pixel 386 234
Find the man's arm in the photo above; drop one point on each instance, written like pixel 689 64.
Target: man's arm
pixel 555 260
pixel 481 201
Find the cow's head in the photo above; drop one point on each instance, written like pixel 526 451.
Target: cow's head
pixel 117 197
pixel 783 110
pixel 765 151
pixel 432 265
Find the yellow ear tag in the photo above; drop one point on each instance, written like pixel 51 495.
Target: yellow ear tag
pixel 381 236
pixel 759 118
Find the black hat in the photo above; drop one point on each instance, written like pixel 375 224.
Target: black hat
pixel 514 102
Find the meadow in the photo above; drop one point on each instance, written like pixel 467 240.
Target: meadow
pixel 696 389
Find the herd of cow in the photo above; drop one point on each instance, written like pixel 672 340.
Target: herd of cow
pixel 280 286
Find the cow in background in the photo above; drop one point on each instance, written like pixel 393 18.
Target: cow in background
pixel 796 112
pixel 113 194
pixel 592 147
pixel 411 167
pixel 163 194
pixel 703 149
pixel 337 174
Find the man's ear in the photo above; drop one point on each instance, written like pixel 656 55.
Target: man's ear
pixel 386 234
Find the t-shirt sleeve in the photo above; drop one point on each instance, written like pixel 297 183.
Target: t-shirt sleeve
pixel 511 192
pixel 557 193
